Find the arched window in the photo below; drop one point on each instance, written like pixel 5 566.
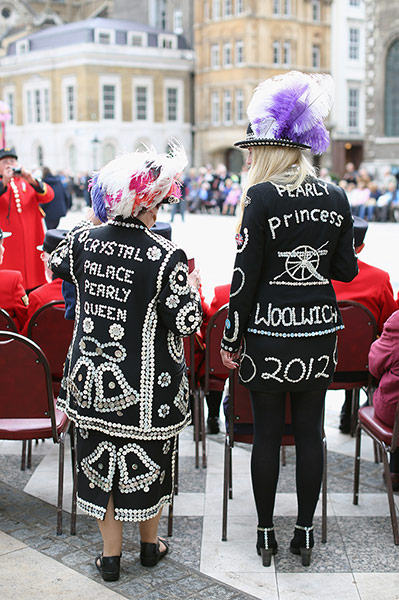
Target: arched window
pixel 392 91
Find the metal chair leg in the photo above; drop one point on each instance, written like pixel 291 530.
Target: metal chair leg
pixel 230 474
pixel 60 483
pixel 196 426
pixel 29 459
pixel 203 431
pixel 23 456
pixel 226 483
pixel 170 519
pixel 354 410
pixel 357 465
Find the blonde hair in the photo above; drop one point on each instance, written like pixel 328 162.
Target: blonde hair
pixel 281 166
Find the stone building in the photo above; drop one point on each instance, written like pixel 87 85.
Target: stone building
pixel 382 86
pixel 83 92
pixel 239 43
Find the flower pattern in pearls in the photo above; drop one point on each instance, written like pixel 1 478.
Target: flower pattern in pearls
pixel 116 331
pixel 154 253
pixel 164 379
pixel 88 324
pixel 164 410
pixel 172 301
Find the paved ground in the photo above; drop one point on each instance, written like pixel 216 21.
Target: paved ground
pixel 359 561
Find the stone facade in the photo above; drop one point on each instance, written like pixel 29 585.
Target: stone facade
pixel 382 31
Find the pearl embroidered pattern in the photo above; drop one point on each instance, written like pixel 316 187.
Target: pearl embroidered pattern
pixel 172 301
pixel 164 410
pixel 154 253
pixel 188 318
pixel 247 201
pixel 295 334
pixel 175 347
pixel 116 331
pixel 166 447
pixel 164 379
pixel 245 239
pixel 178 279
pixel 141 481
pixel 181 398
pixel 88 325
pixel 87 466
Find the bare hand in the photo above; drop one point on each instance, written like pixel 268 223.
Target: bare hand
pixel 27 175
pixel 230 359
pixel 194 279
pixel 8 173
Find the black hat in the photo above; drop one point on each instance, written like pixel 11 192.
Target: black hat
pixel 162 228
pixel 360 227
pixel 252 140
pixel 51 240
pixel 4 152
pixel 4 234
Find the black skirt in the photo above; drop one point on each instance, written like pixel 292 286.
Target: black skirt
pixel 140 474
pixel 288 364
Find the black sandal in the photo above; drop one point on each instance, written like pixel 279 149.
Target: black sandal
pixel 108 566
pixel 150 554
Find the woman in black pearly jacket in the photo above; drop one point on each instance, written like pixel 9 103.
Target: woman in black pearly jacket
pixel 294 237
pixel 125 385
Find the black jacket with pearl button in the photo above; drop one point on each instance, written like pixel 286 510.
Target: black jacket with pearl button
pixel 125 372
pixel 291 244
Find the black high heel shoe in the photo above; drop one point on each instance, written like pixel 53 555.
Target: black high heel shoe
pixel 266 546
pixel 302 543
pixel 150 554
pixel 109 567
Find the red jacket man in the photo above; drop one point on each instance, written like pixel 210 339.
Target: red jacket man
pixel 372 288
pixel 20 214
pixel 13 297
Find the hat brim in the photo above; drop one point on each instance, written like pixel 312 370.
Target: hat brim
pixel 171 200
pixel 268 142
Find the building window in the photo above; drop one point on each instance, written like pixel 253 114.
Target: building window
pixel 239 7
pixel 286 53
pixel 286 7
pixel 316 56
pixel 240 111
pixel 392 91
pixel 316 10
pixel 215 108
pixel 38 105
pixel 215 9
pixel 136 38
pixel 276 7
pixel 177 21
pixel 109 101
pixel 353 108
pixel 141 103
pixel 171 103
pixel 22 47
pixel 10 101
pixel 276 53
pixel 39 156
pixel 215 56
pixel 227 107
pixel 227 8
pixel 354 2
pixel 354 43
pixel 70 101
pixel 239 52
pixel 104 36
pixel 227 58
pixel 167 41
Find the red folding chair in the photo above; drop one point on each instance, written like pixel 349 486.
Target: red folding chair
pixel 6 322
pixel 199 417
pixel 52 333
pixel 386 439
pixel 27 404
pixel 353 349
pixel 239 428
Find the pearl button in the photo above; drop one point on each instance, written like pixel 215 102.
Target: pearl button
pixel 99 350
pixel 112 385
pixel 119 413
pixel 92 486
pixel 80 377
pixel 100 465
pixel 118 353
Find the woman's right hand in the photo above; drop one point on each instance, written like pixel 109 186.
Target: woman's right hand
pixel 230 359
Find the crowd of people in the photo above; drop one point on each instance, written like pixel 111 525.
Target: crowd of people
pixel 125 387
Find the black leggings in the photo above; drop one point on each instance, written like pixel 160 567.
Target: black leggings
pixel 269 421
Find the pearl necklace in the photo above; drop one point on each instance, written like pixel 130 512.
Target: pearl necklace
pixel 16 195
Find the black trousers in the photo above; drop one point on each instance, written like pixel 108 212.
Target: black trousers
pixel 307 409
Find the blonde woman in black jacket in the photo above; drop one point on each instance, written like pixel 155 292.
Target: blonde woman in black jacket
pixel 295 235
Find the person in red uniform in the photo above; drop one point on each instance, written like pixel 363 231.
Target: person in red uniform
pixel 48 291
pixel 20 196
pixel 372 288
pixel 214 397
pixel 13 297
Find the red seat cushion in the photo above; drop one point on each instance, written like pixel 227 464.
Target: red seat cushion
pixel 374 424
pixel 31 429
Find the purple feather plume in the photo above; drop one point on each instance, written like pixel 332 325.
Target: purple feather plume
pixel 97 199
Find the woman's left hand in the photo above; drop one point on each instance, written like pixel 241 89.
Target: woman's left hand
pixel 230 359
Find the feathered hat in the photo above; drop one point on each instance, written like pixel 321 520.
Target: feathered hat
pixel 288 110
pixel 137 180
